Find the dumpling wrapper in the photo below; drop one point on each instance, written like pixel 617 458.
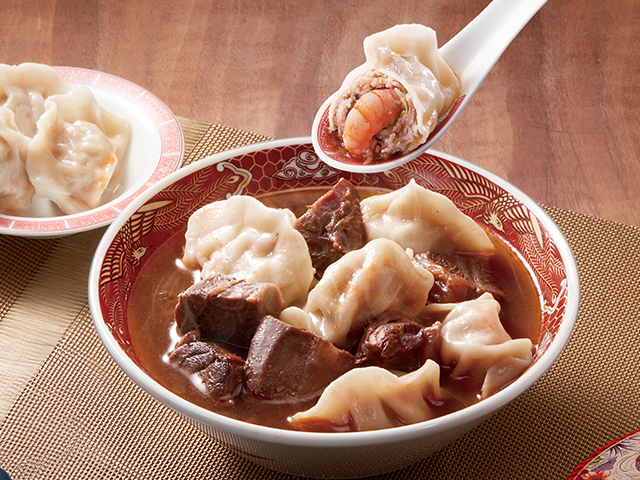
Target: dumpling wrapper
pixel 23 90
pixel 16 190
pixel 372 398
pixel 424 221
pixel 408 54
pixel 359 287
pixel 475 341
pixel 76 150
pixel 242 238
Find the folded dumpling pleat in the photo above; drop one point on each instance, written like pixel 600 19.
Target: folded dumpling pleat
pixel 476 343
pixel 409 54
pixel 23 89
pixel 76 150
pixel 242 238
pixel 372 398
pixel 16 190
pixel 363 284
pixel 424 221
pixel 404 58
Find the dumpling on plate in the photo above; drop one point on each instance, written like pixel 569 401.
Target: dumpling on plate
pixel 424 221
pixel 242 238
pixel 372 398
pixel 76 150
pixel 392 102
pixel 475 341
pixel 23 89
pixel 379 277
pixel 15 189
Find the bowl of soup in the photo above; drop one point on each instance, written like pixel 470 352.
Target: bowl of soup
pixel 333 324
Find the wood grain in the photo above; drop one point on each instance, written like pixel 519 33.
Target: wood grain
pixel 558 116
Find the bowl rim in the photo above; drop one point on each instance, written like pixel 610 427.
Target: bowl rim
pixel 468 415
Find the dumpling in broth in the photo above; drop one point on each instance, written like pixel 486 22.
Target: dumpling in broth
pixel 475 341
pixel 372 398
pixel 242 238
pixel 360 286
pixel 76 150
pixel 423 221
pixel 15 189
pixel 23 89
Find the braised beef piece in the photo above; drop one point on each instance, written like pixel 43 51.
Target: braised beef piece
pixel 449 285
pixel 220 371
pixel 223 308
pixel 192 354
pixel 287 364
pixel 398 343
pixel 457 277
pixel 333 226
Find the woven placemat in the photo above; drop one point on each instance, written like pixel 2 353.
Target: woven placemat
pixel 77 416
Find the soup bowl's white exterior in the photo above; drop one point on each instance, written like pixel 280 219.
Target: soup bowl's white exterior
pixel 336 455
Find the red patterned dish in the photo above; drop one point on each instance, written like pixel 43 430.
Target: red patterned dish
pixel 619 460
pixel 155 151
pixel 292 164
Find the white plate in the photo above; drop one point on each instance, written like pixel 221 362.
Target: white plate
pixel 155 151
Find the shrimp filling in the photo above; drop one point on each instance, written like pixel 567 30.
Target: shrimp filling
pixel 373 112
pixel 375 121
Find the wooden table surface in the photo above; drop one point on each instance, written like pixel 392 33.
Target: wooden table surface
pixel 558 116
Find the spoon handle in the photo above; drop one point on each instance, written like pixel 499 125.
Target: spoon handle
pixel 476 48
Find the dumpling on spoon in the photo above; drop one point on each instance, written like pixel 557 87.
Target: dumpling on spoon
pixel 76 150
pixel 391 103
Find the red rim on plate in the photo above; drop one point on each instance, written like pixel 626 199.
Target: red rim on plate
pixel 618 460
pixel 166 159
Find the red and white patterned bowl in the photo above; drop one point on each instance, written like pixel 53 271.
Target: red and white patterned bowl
pixel 289 164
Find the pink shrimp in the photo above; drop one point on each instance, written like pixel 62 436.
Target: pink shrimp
pixel 372 112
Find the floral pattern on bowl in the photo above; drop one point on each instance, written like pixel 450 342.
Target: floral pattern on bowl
pixel 619 460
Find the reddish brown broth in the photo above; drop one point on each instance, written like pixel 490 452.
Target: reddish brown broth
pixel 153 333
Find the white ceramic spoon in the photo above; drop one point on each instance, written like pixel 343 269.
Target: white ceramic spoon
pixel 472 53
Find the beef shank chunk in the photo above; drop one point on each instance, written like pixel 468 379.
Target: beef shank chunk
pixel 333 225
pixel 192 354
pixel 221 372
pixel 398 343
pixel 287 364
pixel 457 277
pixel 224 377
pixel 226 309
pixel 449 284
